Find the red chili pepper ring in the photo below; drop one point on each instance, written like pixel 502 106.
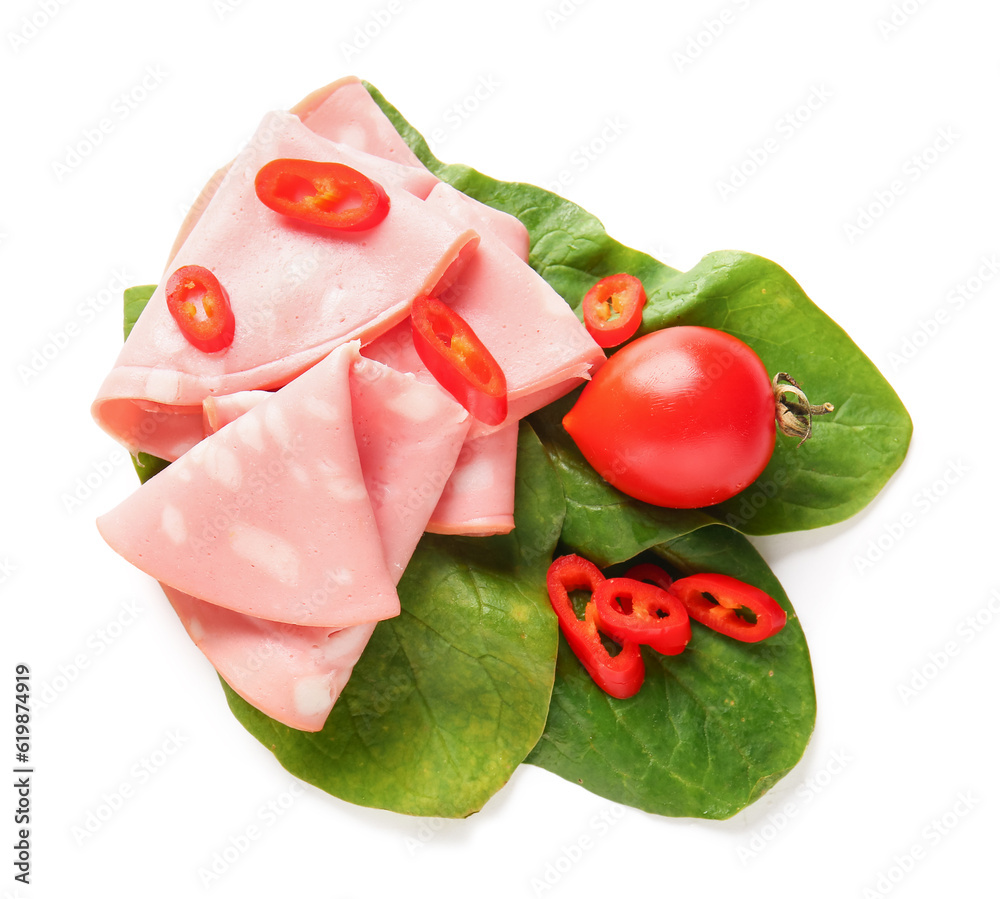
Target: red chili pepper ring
pixel 200 306
pixel 458 359
pixel 629 609
pixel 621 675
pixel 730 596
pixel 326 194
pixel 612 309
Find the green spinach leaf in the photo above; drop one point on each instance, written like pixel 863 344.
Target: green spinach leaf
pixel 449 697
pixel 712 728
pixel 854 450
pixel 136 299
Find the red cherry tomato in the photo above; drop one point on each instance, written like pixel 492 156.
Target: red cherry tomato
pixel 683 417
pixel 612 309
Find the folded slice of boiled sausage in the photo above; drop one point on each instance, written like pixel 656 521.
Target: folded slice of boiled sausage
pixel 270 515
pixel 296 292
pixel 408 434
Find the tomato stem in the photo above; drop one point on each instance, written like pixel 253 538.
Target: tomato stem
pixel 794 417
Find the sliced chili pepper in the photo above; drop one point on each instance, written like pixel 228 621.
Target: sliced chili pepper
pixel 647 571
pixel 612 309
pixel 326 194
pixel 459 361
pixel 629 609
pixel 620 675
pixel 201 308
pixel 730 596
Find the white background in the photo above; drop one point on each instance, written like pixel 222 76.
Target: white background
pixel 897 793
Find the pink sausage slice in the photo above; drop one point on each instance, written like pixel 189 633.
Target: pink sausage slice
pixel 293 673
pixel 296 293
pixel 269 516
